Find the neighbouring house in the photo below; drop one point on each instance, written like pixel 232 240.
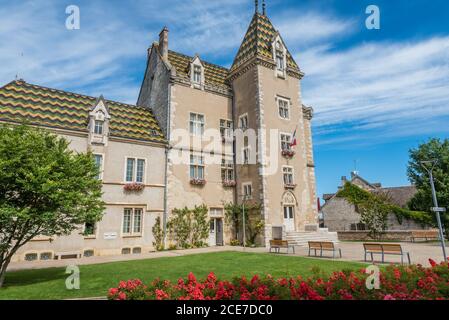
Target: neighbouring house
pixel 340 214
pixel 137 147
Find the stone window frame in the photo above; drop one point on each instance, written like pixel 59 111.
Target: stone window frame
pixel 226 128
pixel 101 167
pixel 291 173
pixel 245 186
pixel 241 117
pixel 135 172
pixel 193 124
pixel 131 225
pixel 288 106
pixel 288 142
pixel 278 47
pixel 195 64
pixel 227 170
pixel 196 165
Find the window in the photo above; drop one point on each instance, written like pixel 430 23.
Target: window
pixel 196 167
pixel 46 256
pixel 99 163
pixel 247 191
pixel 226 127
pixel 243 122
pixel 288 212
pixel 197 73
pixel 89 229
pixel 196 124
pixel 246 155
pixel 98 128
pixel 31 256
pixel 126 251
pixel 288 176
pixel 280 56
pixel 286 141
pixel 135 170
pixel 140 170
pixel 132 221
pixel 284 108
pixel 227 170
pixel 88 253
pixel 137 225
pixel 137 250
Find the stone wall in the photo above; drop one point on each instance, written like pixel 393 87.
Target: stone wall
pixel 396 235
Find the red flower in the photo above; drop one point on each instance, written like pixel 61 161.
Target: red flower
pixel 432 263
pixel 122 296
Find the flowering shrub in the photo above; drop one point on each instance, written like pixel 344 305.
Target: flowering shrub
pixel 229 183
pixel 134 187
pixel 198 182
pixel 288 153
pixel 396 283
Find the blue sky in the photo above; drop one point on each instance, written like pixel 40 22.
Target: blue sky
pixel 376 93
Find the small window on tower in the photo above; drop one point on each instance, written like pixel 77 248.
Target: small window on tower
pixel 280 60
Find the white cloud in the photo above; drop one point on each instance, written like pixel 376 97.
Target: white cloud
pixel 382 86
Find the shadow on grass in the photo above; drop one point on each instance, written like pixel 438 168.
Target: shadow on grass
pixel 30 277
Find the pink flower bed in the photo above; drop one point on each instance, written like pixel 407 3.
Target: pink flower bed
pixel 134 187
pixel 396 283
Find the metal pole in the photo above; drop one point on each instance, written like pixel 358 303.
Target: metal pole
pixel 435 203
pixel 244 223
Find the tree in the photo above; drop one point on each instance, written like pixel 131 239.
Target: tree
pixel 254 223
pixel 374 214
pixel 45 189
pixel 189 227
pixel 434 149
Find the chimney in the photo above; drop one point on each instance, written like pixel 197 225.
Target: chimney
pixel 343 181
pixel 163 43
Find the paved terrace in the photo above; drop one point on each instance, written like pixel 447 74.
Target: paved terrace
pixel 352 251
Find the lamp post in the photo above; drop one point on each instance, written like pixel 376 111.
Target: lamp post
pixel 244 198
pixel 436 209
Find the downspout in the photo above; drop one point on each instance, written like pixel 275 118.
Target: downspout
pixel 167 151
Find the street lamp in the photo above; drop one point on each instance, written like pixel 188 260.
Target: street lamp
pixel 436 209
pixel 244 198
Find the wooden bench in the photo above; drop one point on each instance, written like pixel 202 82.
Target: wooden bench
pixel 277 245
pixel 323 246
pixel 385 249
pixel 426 235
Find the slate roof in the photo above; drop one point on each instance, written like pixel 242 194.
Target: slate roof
pixel 214 75
pixel 258 41
pixel 35 105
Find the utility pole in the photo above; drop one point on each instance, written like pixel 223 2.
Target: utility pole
pixel 436 209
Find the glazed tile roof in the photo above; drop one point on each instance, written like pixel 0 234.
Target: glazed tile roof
pixel 258 42
pixel 23 102
pixel 214 75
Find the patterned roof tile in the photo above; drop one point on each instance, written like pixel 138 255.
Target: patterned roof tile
pixel 36 105
pixel 258 42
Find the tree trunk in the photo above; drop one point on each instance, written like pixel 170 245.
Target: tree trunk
pixel 3 265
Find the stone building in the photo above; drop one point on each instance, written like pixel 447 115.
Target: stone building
pixel 263 152
pixel 341 215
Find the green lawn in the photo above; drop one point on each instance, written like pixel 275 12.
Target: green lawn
pixel 97 279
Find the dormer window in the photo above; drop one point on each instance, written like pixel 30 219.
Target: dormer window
pixel 99 123
pixel 197 74
pixel 99 127
pixel 280 57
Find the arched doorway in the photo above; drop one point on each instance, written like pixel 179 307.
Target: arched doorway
pixel 289 205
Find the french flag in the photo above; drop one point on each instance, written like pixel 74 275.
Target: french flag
pixel 294 142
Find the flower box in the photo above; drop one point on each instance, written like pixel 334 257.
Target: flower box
pixel 134 187
pixel 229 184
pixel 288 153
pixel 197 182
pixel 290 186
